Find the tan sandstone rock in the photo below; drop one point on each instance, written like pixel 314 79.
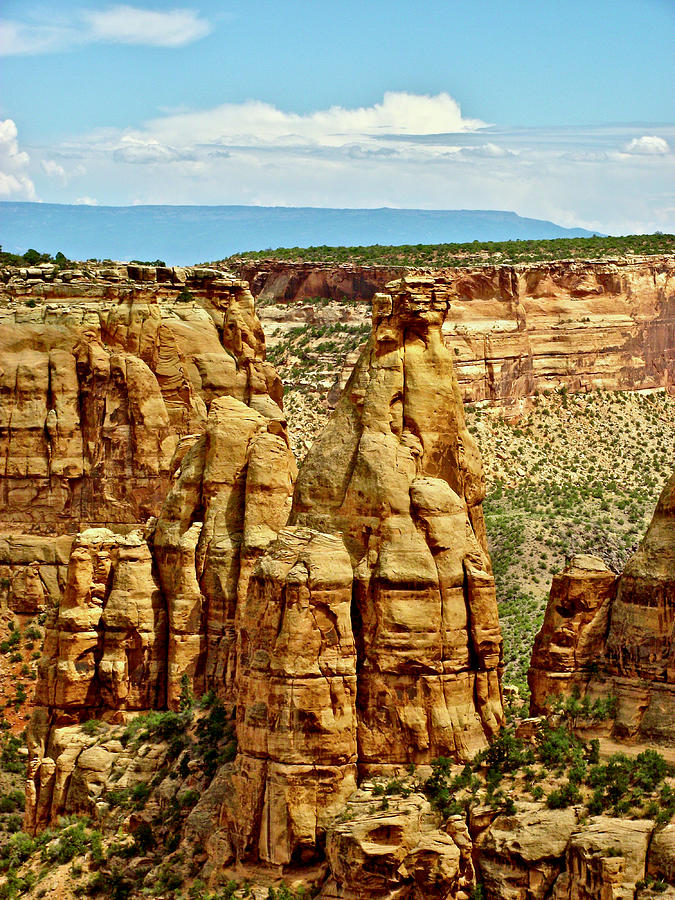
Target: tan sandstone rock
pixel 397 473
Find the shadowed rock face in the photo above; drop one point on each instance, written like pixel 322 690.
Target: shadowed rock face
pixel 609 635
pixel 573 635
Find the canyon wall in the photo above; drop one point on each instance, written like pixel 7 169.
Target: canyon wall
pixel 272 279
pixel 516 329
pixel 103 373
pixel 345 615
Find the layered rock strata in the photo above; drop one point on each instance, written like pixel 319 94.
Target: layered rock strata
pixel 100 378
pixel 615 636
pixel 272 279
pixel 102 374
pixel 518 329
pixel 146 614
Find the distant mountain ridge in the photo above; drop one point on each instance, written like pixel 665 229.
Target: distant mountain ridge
pixel 190 234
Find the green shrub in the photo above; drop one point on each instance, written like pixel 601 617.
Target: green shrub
pixel 14 800
pixel 10 759
pixel 567 795
pixel 139 793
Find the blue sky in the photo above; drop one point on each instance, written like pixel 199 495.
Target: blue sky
pixel 561 110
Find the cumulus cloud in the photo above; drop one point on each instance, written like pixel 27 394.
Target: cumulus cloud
pixel 406 150
pixel 257 124
pixel 14 180
pixel 85 201
pixel 53 170
pixel 648 145
pixel 120 24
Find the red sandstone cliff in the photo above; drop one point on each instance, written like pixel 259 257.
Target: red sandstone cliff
pixel 518 329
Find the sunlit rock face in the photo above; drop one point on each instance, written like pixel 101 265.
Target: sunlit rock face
pixel 351 621
pixel 515 329
pixel 398 475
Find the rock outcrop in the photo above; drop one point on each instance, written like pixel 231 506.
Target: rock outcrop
pixel 363 634
pixel 609 636
pixel 102 378
pixel 272 279
pixel 102 374
pixel 397 473
pixel 399 852
pixel 346 619
pixel 146 614
pixel 572 638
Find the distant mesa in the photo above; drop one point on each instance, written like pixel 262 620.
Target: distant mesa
pixel 186 234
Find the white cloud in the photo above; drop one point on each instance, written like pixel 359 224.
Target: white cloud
pixel 138 150
pixel 130 25
pixel 18 38
pixel 53 170
pixel 14 180
pixel 255 124
pixel 85 201
pixel 488 151
pixel 120 24
pixel 648 145
pixel 405 151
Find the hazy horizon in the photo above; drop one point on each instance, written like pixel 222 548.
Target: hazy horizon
pixel 559 112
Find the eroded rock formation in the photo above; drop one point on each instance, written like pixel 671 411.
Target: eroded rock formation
pixel 100 380
pixel 397 473
pixel 146 613
pixel 362 634
pixel 610 636
pixel 351 619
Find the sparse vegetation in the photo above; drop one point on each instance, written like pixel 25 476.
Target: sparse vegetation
pixel 476 252
pixel 621 786
pixel 33 258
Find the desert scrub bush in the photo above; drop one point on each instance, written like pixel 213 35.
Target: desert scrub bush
pixel 12 641
pixel 283 892
pixel 216 740
pixel 13 801
pixel 74 838
pixel 623 782
pixel 567 795
pixel 504 754
pixel 10 758
pixel 164 726
pixel 474 252
pixel 92 727
pixel 576 709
